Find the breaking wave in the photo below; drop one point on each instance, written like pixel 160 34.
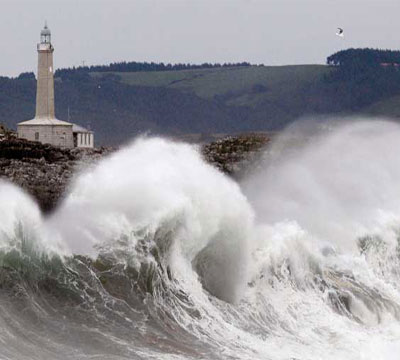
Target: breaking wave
pixel 154 254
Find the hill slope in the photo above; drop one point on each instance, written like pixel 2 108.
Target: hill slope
pixel 119 105
pixel 230 81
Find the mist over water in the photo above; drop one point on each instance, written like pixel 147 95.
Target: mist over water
pixel 339 184
pixel 177 261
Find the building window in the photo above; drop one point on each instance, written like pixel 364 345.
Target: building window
pixel 36 136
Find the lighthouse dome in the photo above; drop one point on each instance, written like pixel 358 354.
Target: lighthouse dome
pixel 45 31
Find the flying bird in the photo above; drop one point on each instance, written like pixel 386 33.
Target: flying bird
pixel 340 32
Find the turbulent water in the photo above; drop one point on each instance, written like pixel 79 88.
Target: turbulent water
pixel 154 254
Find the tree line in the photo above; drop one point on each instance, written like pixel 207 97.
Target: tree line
pixel 362 76
pixel 134 66
pixel 365 57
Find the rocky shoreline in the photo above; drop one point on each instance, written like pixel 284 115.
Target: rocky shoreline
pixel 45 171
pixel 235 155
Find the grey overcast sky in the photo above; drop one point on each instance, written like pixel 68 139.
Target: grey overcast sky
pixel 273 32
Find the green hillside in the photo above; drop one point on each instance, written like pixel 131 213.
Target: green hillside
pixel 255 97
pixel 242 85
pixel 207 99
pixel 388 107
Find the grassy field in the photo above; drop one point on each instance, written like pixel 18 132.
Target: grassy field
pixel 246 86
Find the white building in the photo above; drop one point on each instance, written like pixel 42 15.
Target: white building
pixel 45 128
pixel 83 138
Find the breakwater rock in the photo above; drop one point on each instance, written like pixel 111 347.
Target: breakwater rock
pixel 235 155
pixel 45 171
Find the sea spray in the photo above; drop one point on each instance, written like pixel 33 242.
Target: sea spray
pixel 338 184
pixel 21 221
pixel 16 205
pixel 154 183
pixel 328 210
pixel 165 259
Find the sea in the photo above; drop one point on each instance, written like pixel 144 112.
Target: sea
pixel 155 254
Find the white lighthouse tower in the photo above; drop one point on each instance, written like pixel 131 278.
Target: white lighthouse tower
pixel 45 128
pixel 45 77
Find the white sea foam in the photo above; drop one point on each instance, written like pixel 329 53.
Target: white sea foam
pixel 283 249
pixel 154 183
pixel 20 218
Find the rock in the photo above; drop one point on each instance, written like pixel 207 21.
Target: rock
pixel 42 170
pixel 235 155
pixel 45 171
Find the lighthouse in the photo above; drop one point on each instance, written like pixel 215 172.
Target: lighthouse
pixel 45 128
pixel 45 77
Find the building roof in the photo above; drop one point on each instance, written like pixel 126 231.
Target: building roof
pixel 45 121
pixel 80 129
